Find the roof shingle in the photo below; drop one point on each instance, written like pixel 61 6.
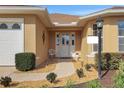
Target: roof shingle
pixel 63 18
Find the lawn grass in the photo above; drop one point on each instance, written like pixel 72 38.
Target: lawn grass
pixel 94 84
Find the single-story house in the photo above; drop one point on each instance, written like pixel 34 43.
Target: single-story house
pixel 33 29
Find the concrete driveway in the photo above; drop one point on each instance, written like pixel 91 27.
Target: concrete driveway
pixel 6 71
pixel 62 69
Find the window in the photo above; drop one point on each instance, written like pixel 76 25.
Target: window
pixel 3 26
pixel 94 33
pixel 94 30
pixel 67 39
pixel 63 40
pixel 10 26
pixel 121 35
pixel 15 26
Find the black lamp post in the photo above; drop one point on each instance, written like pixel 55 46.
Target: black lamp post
pixel 99 23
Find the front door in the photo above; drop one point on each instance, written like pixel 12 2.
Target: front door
pixel 65 44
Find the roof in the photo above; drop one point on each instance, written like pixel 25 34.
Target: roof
pixel 73 20
pixel 63 18
pixel 59 19
pixel 41 12
pixel 117 7
pixel 114 11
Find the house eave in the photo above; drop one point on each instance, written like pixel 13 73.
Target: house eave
pixel 42 13
pixel 105 13
pixel 65 28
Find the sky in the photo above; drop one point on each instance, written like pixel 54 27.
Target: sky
pixel 75 9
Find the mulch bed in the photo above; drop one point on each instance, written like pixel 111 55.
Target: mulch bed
pixel 106 81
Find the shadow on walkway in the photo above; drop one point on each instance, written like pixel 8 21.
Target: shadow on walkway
pixel 105 73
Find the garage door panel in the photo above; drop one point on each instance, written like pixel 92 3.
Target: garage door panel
pixel 7 60
pixel 11 35
pixel 9 47
pixel 9 52
pixel 11 42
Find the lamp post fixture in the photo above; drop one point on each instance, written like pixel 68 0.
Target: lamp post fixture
pixel 99 23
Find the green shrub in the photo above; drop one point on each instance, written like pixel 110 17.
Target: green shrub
pixel 119 81
pixel 69 84
pixel 25 61
pixel 5 81
pixel 80 72
pixel 111 62
pixel 119 78
pixel 51 77
pixel 87 67
pixel 121 67
pixel 93 84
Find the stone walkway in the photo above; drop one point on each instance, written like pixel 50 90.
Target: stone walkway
pixel 62 69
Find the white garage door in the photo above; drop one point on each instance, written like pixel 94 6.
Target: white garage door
pixel 11 40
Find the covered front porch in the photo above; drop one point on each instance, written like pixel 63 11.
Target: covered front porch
pixel 66 41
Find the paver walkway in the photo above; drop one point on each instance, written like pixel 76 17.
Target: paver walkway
pixel 107 80
pixel 62 69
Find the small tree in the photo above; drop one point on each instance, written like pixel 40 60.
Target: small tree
pixel 51 77
pixel 108 58
pixel 5 81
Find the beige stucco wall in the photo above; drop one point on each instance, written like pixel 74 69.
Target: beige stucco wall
pixel 85 48
pixel 41 48
pixel 33 29
pixel 52 39
pixel 78 41
pixel 110 34
pixel 110 37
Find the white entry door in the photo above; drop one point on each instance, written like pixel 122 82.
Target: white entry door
pixel 65 44
pixel 11 40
